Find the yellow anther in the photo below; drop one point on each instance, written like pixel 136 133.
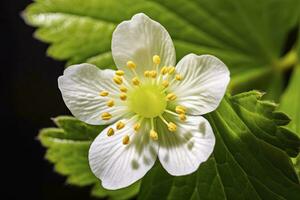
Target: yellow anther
pixel 110 103
pixel 153 135
pixel 125 140
pixel 182 117
pixel 153 74
pixel 110 132
pixel 171 70
pixel 164 70
pixel 171 96
pixel 165 83
pixel 103 93
pixel 123 88
pixel 172 127
pixel 147 73
pixel 120 125
pixel 180 109
pixel 106 116
pixel 135 81
pixel 118 80
pixel 156 59
pixel 131 64
pixel 120 73
pixel 136 127
pixel 123 96
pixel 178 77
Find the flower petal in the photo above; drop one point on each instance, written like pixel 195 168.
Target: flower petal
pixel 80 87
pixel 182 152
pixel 138 40
pixel 119 165
pixel 205 79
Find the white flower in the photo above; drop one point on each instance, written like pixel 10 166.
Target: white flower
pixel 153 108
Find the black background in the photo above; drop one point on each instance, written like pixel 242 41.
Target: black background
pixel 29 98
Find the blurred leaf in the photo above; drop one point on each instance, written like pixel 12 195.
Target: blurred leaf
pixel 244 165
pixel 248 35
pixel 67 147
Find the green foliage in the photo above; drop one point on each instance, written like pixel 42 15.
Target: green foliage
pixel 67 147
pixel 244 165
pixel 248 35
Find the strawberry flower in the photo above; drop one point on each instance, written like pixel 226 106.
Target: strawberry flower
pixel 152 107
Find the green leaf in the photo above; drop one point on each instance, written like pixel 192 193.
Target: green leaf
pixel 67 148
pixel 244 164
pixel 248 35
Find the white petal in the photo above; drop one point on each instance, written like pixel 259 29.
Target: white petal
pixel 118 165
pixel 182 152
pixel 138 40
pixel 80 87
pixel 204 83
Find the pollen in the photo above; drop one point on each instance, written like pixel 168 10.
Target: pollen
pixel 123 96
pixel 171 97
pixel 131 64
pixel 156 59
pixel 136 127
pixel 153 135
pixel 120 125
pixel 118 80
pixel 164 70
pixel 171 70
pixel 153 74
pixel 182 117
pixel 103 93
pixel 110 103
pixel 106 116
pixel 110 132
pixel 135 81
pixel 172 127
pixel 120 73
pixel 180 109
pixel 123 88
pixel 125 140
pixel 178 77
pixel 147 73
pixel 165 83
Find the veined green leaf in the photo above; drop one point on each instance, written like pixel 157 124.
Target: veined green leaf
pixel 245 163
pixel 248 35
pixel 67 148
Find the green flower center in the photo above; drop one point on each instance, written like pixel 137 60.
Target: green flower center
pixel 147 100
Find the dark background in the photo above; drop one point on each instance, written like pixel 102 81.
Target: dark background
pixel 29 98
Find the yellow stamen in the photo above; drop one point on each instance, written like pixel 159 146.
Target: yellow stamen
pixel 135 81
pixel 182 117
pixel 110 103
pixel 171 97
pixel 178 77
pixel 125 140
pixel 165 83
pixel 118 80
pixel 136 127
pixel 156 59
pixel 172 127
pixel 147 73
pixel 180 109
pixel 120 73
pixel 131 64
pixel 106 116
pixel 120 125
pixel 171 70
pixel 110 132
pixel 164 70
pixel 103 93
pixel 123 96
pixel 153 74
pixel 123 88
pixel 153 135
